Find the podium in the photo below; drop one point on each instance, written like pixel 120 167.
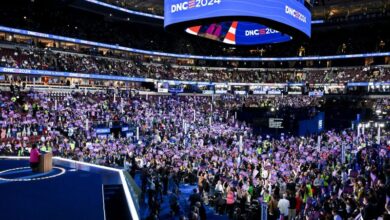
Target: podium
pixel 45 162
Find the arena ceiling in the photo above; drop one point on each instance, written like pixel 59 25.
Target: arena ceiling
pixel 150 6
pixel 157 6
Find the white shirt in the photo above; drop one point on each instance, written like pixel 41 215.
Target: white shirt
pixel 219 188
pixel 283 205
pixel 264 173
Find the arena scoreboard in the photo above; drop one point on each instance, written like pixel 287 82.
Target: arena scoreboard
pixel 239 22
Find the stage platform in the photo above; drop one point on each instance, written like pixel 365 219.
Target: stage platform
pixel 72 190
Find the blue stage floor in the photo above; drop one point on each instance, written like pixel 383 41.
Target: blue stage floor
pixel 75 195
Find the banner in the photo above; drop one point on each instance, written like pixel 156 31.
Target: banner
pixel 102 130
pixel 316 93
pixel 312 126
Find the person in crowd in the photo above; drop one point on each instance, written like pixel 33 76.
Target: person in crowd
pixel 283 206
pixel 230 201
pixel 273 211
pixel 34 158
pixel 194 198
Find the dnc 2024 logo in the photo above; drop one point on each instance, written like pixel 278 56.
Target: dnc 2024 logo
pixel 191 4
pixel 262 31
pixel 296 14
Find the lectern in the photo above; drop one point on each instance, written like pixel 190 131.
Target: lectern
pixel 45 162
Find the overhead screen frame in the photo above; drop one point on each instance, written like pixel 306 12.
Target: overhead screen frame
pixel 289 17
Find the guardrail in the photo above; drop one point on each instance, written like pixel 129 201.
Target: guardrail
pixel 139 79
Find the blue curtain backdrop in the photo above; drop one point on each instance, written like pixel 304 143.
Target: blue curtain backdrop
pixel 312 126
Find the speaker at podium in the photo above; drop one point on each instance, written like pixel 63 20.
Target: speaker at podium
pixel 45 162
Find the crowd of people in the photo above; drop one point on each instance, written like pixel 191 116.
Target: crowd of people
pixel 198 140
pixel 46 59
pixel 172 141
pixel 59 18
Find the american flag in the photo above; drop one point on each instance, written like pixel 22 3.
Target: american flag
pixel 191 3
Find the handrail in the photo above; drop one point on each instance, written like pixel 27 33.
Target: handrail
pixel 139 79
pixel 125 9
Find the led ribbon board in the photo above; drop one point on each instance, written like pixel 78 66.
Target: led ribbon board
pixel 239 22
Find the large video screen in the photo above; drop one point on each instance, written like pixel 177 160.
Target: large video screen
pixel 239 33
pixel 239 21
pixel 215 31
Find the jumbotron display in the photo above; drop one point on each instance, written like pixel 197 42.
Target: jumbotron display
pixel 239 22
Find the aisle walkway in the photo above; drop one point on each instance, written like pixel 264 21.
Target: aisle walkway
pixel 185 192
